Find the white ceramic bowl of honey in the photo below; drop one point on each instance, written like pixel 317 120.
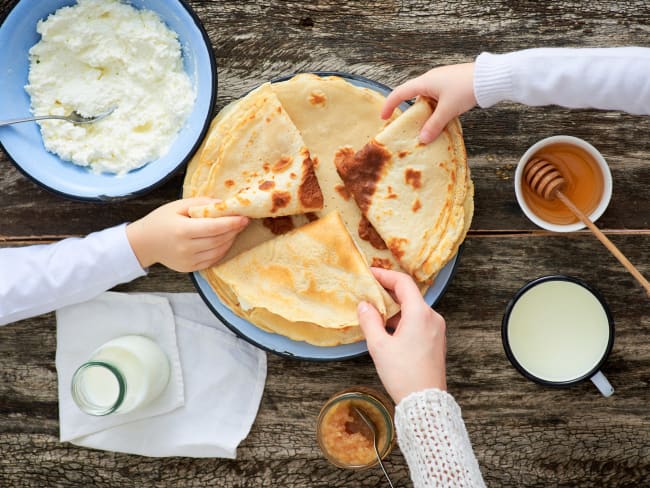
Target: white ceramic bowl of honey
pixel 588 183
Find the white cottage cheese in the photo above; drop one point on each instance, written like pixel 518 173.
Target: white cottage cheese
pixel 103 53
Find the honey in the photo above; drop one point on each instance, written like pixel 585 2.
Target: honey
pixel 585 183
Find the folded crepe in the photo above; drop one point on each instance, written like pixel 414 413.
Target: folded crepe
pixel 198 169
pixel 305 284
pixel 418 197
pixel 255 161
pixel 331 112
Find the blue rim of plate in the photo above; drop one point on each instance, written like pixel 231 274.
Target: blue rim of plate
pixel 289 348
pixel 170 170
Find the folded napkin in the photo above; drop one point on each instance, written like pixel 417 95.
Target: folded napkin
pixel 215 386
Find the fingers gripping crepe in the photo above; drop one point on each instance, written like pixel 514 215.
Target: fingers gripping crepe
pixel 305 284
pixel 418 197
pixel 262 167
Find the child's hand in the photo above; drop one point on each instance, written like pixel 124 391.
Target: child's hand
pixel 452 86
pixel 413 357
pixel 169 236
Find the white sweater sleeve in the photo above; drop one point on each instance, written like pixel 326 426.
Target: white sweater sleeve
pixel 602 78
pixel 43 278
pixel 432 436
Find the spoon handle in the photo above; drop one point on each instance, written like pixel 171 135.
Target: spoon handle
pixel 606 242
pixel 31 119
pixel 390 483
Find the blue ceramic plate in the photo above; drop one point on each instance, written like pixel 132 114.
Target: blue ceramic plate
pixel 284 346
pixel 23 142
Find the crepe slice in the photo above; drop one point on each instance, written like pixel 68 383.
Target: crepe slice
pixel 305 284
pixel 199 166
pixel 262 167
pixel 418 197
pixel 331 112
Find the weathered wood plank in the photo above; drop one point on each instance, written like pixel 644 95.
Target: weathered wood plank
pixel 523 434
pixel 28 211
pixel 389 42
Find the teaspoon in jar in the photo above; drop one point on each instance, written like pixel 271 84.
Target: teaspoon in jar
pixel 373 430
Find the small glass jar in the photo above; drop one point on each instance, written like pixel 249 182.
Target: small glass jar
pixel 346 441
pixel 126 373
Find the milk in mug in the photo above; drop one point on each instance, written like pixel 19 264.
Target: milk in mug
pixel 558 331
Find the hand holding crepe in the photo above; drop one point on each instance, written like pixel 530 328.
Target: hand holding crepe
pixel 255 161
pixel 305 284
pixel 418 197
pixel 321 109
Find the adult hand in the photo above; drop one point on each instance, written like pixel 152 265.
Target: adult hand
pixel 453 88
pixel 168 235
pixel 413 357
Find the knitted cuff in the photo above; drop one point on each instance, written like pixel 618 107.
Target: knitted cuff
pixel 492 79
pixel 432 436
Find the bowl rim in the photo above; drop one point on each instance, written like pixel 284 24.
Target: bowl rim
pixel 602 164
pixel 183 162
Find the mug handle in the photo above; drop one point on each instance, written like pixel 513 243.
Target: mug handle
pixel 602 384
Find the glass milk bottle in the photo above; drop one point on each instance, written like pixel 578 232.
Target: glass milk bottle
pixel 124 374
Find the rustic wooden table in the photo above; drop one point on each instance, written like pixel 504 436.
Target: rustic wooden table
pixel 523 434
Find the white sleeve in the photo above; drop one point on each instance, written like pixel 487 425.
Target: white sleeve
pixel 432 436
pixel 602 78
pixel 43 278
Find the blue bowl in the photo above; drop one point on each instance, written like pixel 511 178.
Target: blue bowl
pixel 23 142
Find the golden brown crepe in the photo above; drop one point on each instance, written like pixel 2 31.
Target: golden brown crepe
pixel 418 197
pixel 321 109
pixel 198 169
pixel 305 284
pixel 259 165
pixel 329 113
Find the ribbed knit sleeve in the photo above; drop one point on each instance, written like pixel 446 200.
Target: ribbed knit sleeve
pixel 432 436
pixel 606 78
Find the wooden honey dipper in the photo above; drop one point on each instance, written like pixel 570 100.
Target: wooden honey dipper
pixel 546 181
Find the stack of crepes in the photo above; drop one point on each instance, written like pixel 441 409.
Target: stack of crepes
pixel 256 162
pixel 419 198
pixel 305 284
pixel 331 188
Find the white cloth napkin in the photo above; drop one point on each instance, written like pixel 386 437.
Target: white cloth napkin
pixel 220 377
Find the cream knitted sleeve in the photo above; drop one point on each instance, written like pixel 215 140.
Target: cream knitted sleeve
pixel 433 439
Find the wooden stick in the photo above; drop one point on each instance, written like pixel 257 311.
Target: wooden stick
pixel 602 238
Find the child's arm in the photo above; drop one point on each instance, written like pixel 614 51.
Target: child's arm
pixel 603 78
pixel 39 279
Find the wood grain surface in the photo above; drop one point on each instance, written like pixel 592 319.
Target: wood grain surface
pixel 523 434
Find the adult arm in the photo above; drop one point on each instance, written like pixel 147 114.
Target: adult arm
pixel 411 365
pixel 39 279
pixel 432 436
pixel 602 78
